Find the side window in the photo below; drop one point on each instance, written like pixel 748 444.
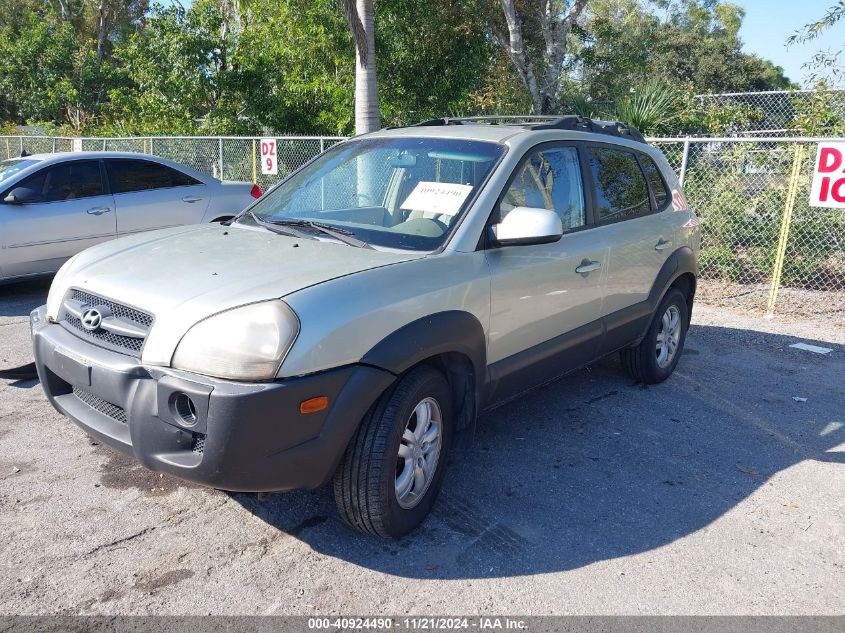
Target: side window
pixel 549 179
pixel 127 175
pixel 658 185
pixel 70 180
pixel 620 187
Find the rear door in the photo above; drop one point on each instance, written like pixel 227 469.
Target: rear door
pixel 630 206
pixel 150 195
pixel 546 298
pixel 70 211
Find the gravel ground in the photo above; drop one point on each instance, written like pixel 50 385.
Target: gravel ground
pixel 713 493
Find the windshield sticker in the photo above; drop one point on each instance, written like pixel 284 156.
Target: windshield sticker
pixel 437 197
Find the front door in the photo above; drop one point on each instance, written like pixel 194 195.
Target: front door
pixel 69 211
pixel 545 299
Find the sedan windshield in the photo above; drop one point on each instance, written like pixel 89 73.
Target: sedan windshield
pixel 9 168
pixel 404 193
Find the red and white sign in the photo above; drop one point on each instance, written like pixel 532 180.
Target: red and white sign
pixel 269 160
pixel 679 203
pixel 828 188
pixel 77 145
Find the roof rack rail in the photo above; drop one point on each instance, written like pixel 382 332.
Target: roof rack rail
pixel 490 118
pixel 586 124
pixel 547 122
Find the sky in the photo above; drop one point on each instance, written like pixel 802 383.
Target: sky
pixel 768 23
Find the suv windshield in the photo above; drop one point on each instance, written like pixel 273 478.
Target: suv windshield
pixel 9 168
pixel 404 193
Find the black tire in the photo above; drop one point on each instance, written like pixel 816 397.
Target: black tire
pixel 364 483
pixel 641 361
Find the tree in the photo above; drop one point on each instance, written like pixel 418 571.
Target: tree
pixel 360 15
pixel 432 56
pixel 540 71
pixel 823 62
pixel 687 44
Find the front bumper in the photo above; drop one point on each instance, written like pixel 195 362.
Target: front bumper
pixel 242 436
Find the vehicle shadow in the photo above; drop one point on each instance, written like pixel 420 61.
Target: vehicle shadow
pixel 18 299
pixel 594 467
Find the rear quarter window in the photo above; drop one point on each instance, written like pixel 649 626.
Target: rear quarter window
pixel 655 179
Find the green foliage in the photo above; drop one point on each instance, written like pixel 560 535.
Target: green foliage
pixel 820 113
pixel 42 72
pixel 429 56
pixel 287 66
pixel 650 108
pixel 684 42
pixel 739 192
pixel 823 63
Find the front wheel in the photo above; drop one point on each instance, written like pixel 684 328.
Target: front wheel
pixel 392 470
pixel 655 358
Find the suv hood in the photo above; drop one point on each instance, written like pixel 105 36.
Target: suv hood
pixel 183 275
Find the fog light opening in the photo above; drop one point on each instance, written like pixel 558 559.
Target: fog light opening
pixel 185 409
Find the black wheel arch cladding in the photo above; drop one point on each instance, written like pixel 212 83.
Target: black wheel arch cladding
pixel 682 262
pixel 445 337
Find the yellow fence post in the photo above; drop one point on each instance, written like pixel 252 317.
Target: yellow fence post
pixel 254 165
pixel 786 221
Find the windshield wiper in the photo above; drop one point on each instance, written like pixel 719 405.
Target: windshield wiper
pixel 340 234
pixel 272 227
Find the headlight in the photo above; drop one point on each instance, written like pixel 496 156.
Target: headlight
pixel 247 343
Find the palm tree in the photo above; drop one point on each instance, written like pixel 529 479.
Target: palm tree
pixel 359 14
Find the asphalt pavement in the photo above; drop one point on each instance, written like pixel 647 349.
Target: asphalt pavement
pixel 715 492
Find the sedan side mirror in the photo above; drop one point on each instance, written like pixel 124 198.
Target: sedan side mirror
pixel 528 225
pixel 19 195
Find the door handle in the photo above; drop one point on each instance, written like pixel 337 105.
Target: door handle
pixel 587 266
pixel 191 199
pixel 662 245
pixel 98 210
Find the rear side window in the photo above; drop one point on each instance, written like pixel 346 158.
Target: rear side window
pixel 142 175
pixel 548 179
pixel 619 185
pixel 66 181
pixel 658 185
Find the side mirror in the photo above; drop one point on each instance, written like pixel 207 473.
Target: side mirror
pixel 19 195
pixel 527 225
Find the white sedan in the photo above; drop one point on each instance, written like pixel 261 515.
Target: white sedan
pixel 53 206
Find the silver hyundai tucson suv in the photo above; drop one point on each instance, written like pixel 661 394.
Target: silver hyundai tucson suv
pixel 352 322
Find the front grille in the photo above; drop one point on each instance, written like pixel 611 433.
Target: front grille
pixel 198 443
pixel 102 337
pixel 108 409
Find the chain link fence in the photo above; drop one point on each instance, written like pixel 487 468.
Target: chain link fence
pixel 756 255
pixel 778 112
pixel 224 157
pixel 762 248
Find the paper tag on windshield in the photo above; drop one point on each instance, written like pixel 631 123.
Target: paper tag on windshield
pixel 437 197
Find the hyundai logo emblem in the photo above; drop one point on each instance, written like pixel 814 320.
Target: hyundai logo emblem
pixel 92 319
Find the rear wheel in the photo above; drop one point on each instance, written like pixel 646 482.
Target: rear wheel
pixel 655 358
pixel 392 470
